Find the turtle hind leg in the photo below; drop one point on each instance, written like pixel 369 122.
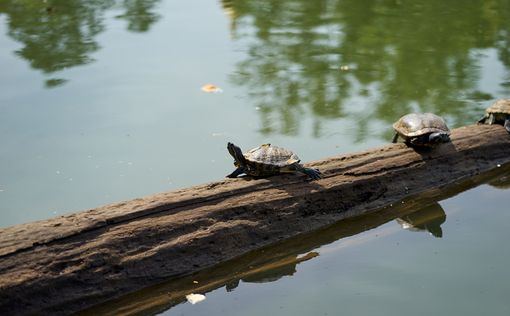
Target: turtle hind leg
pixel 236 172
pixel 395 138
pixel 507 124
pixel 314 174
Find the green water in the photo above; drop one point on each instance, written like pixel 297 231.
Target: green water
pixel 101 101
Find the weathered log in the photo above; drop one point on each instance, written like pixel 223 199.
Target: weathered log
pixel 272 262
pixel 66 264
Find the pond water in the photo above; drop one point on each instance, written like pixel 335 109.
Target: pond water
pixel 101 101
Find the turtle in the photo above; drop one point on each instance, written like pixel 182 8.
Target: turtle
pixel 498 113
pixel 267 160
pixel 421 129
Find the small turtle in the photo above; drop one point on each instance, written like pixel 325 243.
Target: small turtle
pixel 498 113
pixel 267 160
pixel 421 129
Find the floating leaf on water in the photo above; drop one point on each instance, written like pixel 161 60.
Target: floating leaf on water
pixel 211 88
pixel 195 298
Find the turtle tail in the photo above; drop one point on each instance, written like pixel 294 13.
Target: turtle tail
pixel 314 174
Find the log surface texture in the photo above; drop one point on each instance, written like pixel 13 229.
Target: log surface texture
pixel 66 264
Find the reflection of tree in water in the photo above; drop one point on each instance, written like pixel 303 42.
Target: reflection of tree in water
pixel 399 56
pixel 139 15
pixel 59 34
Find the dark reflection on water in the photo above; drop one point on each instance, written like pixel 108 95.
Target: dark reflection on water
pixel 501 182
pixel 59 34
pixel 429 218
pixel 274 262
pixel 139 14
pixel 319 56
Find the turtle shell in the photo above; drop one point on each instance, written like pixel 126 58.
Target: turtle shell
pixel 271 156
pixel 500 106
pixel 417 124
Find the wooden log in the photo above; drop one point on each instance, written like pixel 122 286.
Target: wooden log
pixel 71 262
pixel 272 262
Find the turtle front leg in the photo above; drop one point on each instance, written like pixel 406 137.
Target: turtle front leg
pixel 395 138
pixel 492 119
pixel 482 120
pixel 236 172
pixel 507 124
pixel 419 141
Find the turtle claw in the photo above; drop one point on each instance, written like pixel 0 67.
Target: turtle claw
pixel 314 174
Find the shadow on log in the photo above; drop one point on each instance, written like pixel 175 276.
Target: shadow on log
pixel 72 262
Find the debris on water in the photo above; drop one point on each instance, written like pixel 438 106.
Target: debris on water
pixel 195 298
pixel 345 67
pixel 211 88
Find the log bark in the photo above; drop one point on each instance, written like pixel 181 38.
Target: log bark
pixel 72 262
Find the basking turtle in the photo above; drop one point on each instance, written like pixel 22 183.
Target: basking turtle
pixel 421 129
pixel 267 160
pixel 498 113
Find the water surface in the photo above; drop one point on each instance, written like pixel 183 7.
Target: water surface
pixel 100 101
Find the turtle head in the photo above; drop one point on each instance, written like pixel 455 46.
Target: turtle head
pixel 439 137
pixel 237 154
